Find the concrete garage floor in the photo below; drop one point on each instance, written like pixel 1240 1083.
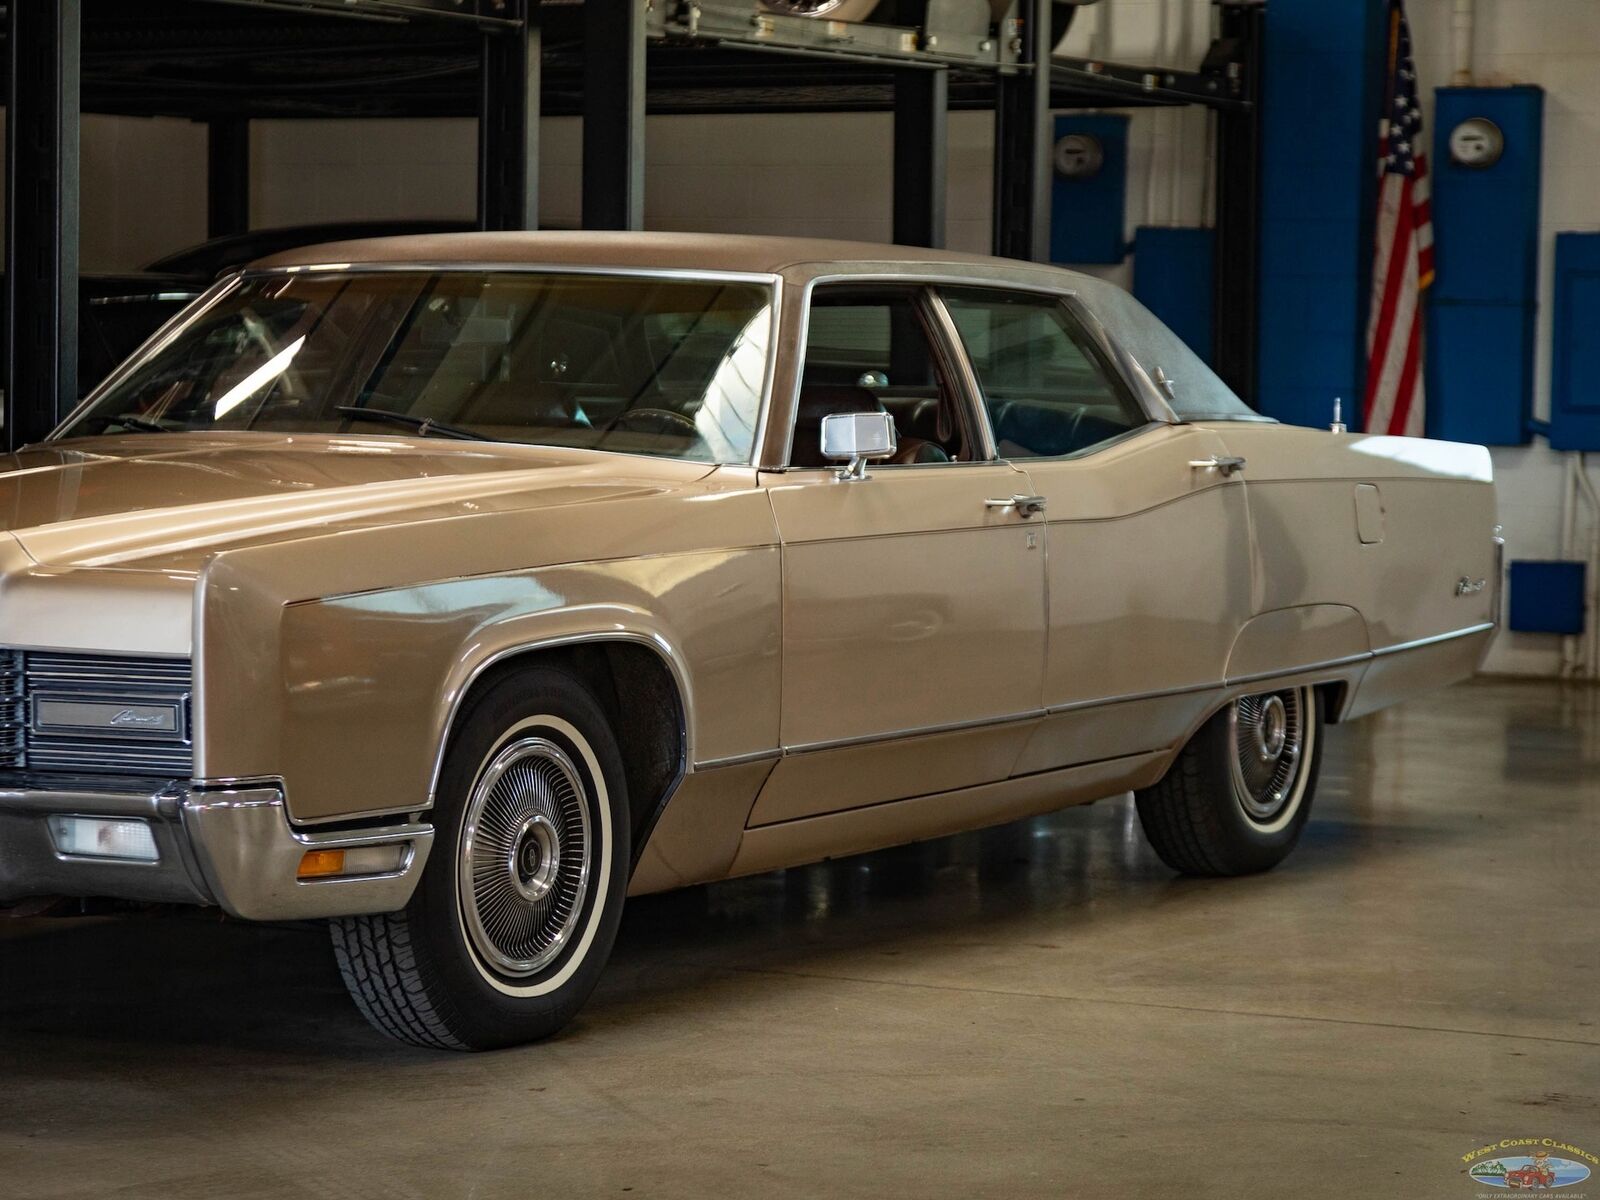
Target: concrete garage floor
pixel 1038 1010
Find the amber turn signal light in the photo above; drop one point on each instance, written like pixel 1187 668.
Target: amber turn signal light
pixel 317 863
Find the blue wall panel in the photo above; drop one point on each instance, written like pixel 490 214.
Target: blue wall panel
pixel 1088 216
pixel 1320 103
pixel 1482 315
pixel 1575 352
pixel 1173 272
pixel 1546 597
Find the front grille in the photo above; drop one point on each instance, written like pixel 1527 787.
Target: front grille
pixel 95 713
pixel 13 708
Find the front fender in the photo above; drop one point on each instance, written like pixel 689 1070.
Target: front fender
pixel 370 682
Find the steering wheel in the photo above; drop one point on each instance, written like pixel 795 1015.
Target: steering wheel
pixel 662 421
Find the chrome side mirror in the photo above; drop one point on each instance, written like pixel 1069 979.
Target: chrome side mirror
pixel 858 437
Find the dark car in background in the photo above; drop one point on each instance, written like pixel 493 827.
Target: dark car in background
pixel 118 311
pixel 223 254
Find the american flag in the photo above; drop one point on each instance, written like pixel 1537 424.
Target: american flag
pixel 1402 264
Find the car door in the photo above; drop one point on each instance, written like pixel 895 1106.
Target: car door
pixel 1148 575
pixel 913 599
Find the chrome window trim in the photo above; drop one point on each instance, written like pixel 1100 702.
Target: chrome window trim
pixel 967 383
pixel 771 281
pixel 1083 452
pixel 156 342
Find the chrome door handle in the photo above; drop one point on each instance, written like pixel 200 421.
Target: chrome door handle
pixel 1026 506
pixel 1225 464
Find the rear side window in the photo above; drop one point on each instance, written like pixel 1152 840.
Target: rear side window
pixel 1048 389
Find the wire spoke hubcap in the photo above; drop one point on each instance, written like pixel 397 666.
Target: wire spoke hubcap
pixel 1268 739
pixel 524 863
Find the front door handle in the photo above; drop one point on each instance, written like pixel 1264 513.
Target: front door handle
pixel 1223 464
pixel 1026 506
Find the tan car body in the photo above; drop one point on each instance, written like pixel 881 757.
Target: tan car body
pixel 853 664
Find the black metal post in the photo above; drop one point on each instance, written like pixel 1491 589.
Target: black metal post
pixel 508 125
pixel 613 114
pixel 921 155
pixel 227 176
pixel 1237 280
pixel 1022 144
pixel 45 43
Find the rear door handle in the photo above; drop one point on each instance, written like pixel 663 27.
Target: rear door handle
pixel 1223 464
pixel 1026 506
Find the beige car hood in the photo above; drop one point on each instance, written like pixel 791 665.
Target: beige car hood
pixel 164 502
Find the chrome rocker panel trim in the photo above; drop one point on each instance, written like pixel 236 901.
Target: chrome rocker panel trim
pixel 232 847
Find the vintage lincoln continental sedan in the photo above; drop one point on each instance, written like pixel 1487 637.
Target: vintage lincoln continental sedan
pixel 454 588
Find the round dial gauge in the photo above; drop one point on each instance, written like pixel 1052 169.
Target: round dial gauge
pixel 1477 142
pixel 1079 156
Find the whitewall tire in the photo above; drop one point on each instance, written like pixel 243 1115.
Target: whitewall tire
pixel 518 908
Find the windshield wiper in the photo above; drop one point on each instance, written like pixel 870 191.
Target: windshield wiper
pixel 425 426
pixel 137 423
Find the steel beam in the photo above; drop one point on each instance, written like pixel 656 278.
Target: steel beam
pixel 227 176
pixel 485 13
pixel 508 125
pixel 613 114
pixel 1022 144
pixel 44 45
pixel 1237 280
pixel 921 155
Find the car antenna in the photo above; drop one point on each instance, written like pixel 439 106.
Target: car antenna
pixel 1338 425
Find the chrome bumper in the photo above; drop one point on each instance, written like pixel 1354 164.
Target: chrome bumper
pixel 234 848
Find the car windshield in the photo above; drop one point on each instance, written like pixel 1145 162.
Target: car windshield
pixel 639 364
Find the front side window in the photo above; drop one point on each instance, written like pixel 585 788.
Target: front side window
pixel 1048 389
pixel 868 350
pixel 635 364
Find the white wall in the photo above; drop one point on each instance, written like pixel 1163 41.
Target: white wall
pixel 143 189
pixel 144 181
pixel 1556 45
pixel 307 171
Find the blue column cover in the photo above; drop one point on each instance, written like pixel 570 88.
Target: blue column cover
pixel 1324 63
pixel 1483 304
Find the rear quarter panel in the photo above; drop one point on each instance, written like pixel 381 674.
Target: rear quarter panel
pixel 1434 523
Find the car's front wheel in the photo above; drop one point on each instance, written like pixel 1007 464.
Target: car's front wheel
pixel 1238 795
pixel 515 915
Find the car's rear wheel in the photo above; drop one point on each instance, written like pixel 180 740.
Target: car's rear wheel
pixel 515 915
pixel 1240 792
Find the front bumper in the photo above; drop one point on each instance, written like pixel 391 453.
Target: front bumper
pixel 232 847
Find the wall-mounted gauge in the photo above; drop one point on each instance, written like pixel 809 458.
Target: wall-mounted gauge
pixel 1477 142
pixel 1079 156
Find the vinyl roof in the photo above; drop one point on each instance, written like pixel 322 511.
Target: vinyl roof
pixel 668 251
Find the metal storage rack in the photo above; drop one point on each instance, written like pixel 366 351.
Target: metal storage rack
pixel 226 62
